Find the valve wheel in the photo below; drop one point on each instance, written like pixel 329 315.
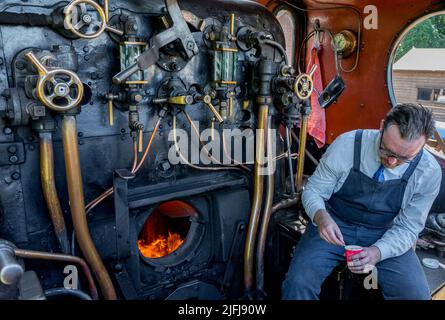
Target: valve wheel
pixel 304 86
pixel 81 21
pixel 60 90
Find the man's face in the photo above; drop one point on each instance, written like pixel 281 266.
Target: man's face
pixel 394 150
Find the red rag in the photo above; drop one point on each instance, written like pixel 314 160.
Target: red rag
pixel 317 119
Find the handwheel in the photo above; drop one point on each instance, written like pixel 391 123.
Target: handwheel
pixel 59 89
pixel 80 20
pixel 303 86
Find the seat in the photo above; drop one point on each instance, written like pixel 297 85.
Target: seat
pixel 342 284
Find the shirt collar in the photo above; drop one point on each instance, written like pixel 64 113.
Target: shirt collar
pixel 377 147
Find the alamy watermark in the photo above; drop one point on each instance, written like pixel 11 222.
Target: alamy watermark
pixel 224 147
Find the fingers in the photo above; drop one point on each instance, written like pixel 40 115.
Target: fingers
pixel 339 236
pixel 332 235
pixel 359 262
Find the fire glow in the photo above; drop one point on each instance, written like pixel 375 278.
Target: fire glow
pixel 165 229
pixel 161 246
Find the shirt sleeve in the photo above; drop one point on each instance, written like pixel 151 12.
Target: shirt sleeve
pixel 412 217
pixel 331 168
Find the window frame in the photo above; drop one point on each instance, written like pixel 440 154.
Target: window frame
pixel 396 43
pixel 276 11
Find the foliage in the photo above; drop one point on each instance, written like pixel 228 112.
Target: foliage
pixel 427 34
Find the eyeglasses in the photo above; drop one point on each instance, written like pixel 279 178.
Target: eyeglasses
pixel 389 154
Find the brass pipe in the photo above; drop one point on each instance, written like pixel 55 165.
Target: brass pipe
pixel 39 255
pixel 76 197
pixel 140 140
pixel 106 11
pixel 50 191
pixel 301 153
pixel 110 112
pixel 257 199
pixel 232 24
pixel 268 203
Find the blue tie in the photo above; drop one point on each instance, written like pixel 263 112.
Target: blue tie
pixel 378 175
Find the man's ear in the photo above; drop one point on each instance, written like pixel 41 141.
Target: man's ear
pixel 382 122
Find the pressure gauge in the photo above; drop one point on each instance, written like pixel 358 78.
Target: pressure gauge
pixel 345 42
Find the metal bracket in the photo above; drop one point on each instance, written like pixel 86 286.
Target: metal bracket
pixel 178 31
pixel 122 214
pixel 12 153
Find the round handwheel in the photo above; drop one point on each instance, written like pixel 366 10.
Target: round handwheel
pixel 303 86
pixel 60 90
pixel 82 21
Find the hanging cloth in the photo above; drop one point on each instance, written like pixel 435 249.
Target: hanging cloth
pixel 317 119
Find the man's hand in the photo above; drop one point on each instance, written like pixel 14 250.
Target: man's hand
pixel 361 261
pixel 328 229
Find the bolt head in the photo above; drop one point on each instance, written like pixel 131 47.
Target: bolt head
pixel 12 149
pixel 13 159
pixel 15 176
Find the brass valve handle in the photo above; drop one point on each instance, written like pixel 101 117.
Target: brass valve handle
pixel 110 98
pixel 53 90
pixel 77 17
pixel 304 84
pixel 208 102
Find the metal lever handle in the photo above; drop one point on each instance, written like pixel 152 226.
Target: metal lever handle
pixel 208 102
pixel 110 97
pixel 125 74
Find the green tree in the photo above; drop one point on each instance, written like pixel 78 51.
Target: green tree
pixel 427 34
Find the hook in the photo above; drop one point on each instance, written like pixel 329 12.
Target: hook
pixel 317 39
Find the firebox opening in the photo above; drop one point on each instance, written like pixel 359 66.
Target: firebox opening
pixel 166 229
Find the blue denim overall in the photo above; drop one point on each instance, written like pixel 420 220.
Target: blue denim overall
pixel 363 209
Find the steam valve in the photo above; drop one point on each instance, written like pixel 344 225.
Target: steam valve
pixel 58 89
pixel 79 20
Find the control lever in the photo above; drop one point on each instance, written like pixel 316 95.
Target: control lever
pixel 208 102
pixel 178 31
pixel 110 98
pixel 78 17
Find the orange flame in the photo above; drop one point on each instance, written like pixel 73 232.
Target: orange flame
pixel 161 246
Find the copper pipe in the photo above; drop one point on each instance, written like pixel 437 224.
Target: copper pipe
pixel 76 197
pixel 135 156
pixel 147 149
pixel 306 152
pixel 185 161
pixel 286 203
pixel 192 125
pixel 301 153
pixel 265 219
pixel 257 199
pixel 50 191
pixel 135 168
pixel 38 255
pixel 226 153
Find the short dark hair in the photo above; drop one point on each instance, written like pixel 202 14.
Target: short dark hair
pixel 413 120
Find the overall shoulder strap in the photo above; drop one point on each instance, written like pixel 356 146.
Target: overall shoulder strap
pixel 412 166
pixel 357 149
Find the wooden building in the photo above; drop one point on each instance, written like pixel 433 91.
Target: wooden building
pixel 419 76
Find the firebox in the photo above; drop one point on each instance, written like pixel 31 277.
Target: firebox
pixel 186 239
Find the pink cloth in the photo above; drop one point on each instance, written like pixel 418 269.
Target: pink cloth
pixel 317 119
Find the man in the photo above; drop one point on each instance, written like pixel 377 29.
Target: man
pixel 373 189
